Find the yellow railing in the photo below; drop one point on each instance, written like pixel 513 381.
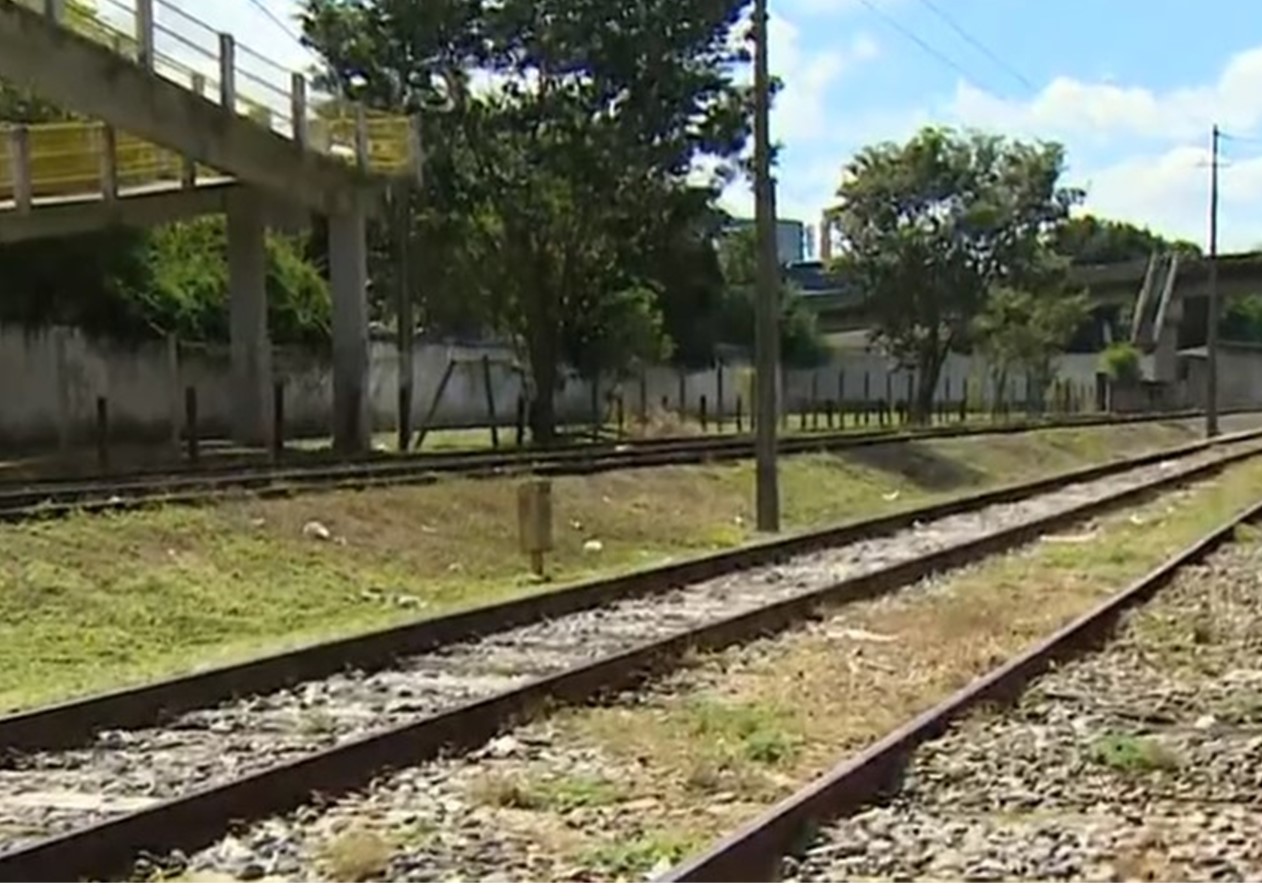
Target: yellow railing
pixel 65 158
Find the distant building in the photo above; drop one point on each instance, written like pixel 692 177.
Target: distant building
pixel 790 239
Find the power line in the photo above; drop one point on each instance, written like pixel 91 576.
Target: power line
pixel 977 44
pixel 916 39
pixel 1239 138
pixel 278 22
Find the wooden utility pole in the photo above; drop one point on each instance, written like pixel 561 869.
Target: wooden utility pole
pixel 1211 332
pixel 767 317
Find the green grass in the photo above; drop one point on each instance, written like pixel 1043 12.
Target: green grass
pixel 635 857
pixel 91 603
pixel 554 794
pixel 1132 754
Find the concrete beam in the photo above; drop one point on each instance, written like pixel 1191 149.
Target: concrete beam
pixel 72 215
pixel 348 276
pixel 93 80
pixel 247 320
pixel 147 207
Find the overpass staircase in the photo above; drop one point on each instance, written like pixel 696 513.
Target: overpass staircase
pixel 1157 316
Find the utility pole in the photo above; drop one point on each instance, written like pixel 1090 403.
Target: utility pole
pixel 1211 332
pixel 767 314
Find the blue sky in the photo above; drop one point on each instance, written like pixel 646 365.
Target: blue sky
pixel 1131 87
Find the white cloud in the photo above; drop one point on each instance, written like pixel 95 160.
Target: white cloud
pixel 1169 192
pixel 1153 145
pixel 801 110
pixel 1100 111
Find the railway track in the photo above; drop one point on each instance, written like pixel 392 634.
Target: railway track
pixel 55 497
pixel 1130 749
pixel 90 811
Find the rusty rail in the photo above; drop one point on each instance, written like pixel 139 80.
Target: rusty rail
pixel 196 819
pixel 756 851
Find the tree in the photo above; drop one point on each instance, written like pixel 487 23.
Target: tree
pixel 550 186
pixel 1020 330
pixel 1242 319
pixel 931 228
pixel 1087 239
pixel 132 285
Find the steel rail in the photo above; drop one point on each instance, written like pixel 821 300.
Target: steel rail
pixel 756 851
pixel 196 819
pixel 67 724
pixel 37 499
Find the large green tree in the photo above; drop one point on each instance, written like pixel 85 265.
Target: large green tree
pixel 930 228
pixel 560 138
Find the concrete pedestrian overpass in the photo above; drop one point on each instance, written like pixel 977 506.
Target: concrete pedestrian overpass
pixel 1169 283
pixel 167 134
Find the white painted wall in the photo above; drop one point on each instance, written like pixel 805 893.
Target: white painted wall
pixel 52 379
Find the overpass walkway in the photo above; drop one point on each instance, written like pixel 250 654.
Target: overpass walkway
pixel 181 119
pixel 171 58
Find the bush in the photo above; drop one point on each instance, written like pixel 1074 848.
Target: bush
pixel 1121 362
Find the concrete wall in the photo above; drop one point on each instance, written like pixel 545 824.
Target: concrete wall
pixel 53 379
pixel 1239 379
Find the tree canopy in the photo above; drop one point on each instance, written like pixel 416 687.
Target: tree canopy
pixel 560 141
pixel 1087 239
pixel 931 228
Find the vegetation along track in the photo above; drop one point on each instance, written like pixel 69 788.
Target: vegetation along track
pixel 1125 746
pixel 47 498
pixel 91 811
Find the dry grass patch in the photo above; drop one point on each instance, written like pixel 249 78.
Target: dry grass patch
pixel 753 723
pixel 355 855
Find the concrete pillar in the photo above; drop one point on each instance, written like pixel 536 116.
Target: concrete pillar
pixel 247 297
pixel 348 276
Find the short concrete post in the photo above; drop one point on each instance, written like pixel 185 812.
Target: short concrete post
pixel 814 399
pixel 190 425
pixel 102 433
pixel 64 405
pixel 55 10
pixel 228 72
pixel 20 167
pixel 489 388
pixel 534 521
pixel 644 399
pixel 173 378
pixel 719 406
pixel 278 420
pixel 867 396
